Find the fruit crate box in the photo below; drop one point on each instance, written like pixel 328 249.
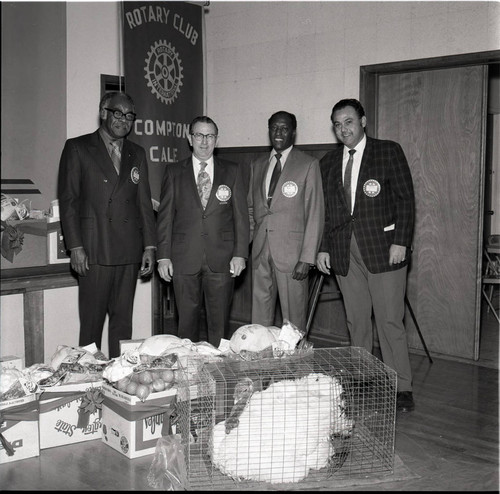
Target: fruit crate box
pixel 19 429
pixel 132 426
pixel 70 413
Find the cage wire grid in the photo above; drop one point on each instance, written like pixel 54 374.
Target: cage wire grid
pixel 287 423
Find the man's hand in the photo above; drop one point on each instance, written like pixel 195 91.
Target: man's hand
pixel 148 261
pixel 323 262
pixel 166 269
pixel 236 266
pixel 397 254
pixel 300 271
pixel 79 261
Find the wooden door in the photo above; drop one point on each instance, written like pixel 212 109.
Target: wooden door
pixel 439 117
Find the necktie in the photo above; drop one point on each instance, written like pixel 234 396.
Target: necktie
pixel 274 178
pixel 204 185
pixel 116 156
pixel 347 178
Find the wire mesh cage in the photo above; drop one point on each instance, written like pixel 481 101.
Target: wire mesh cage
pixel 289 422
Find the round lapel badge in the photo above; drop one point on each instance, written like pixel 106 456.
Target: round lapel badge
pixel 289 189
pixel 223 193
pixel 134 175
pixel 371 188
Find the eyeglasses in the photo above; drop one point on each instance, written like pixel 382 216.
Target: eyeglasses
pixel 199 137
pixel 130 116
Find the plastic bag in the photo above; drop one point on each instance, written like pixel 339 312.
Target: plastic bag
pixel 168 470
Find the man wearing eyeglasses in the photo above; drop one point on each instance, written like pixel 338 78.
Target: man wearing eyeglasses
pixel 203 233
pixel 107 221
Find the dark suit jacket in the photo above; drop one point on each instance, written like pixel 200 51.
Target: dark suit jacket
pixel 374 214
pixel 111 216
pixel 186 231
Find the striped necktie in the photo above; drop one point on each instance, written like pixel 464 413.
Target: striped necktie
pixel 116 156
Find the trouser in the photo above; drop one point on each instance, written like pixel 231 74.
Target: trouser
pixel 217 290
pixel 268 283
pixel 107 290
pixel 383 293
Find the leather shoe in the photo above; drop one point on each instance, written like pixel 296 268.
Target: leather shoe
pixel 404 401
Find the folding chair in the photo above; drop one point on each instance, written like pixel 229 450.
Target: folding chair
pixel 491 276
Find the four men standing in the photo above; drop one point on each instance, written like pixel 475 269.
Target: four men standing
pixel 353 214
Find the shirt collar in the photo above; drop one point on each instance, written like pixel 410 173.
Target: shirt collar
pixel 196 161
pixel 284 154
pixel 360 147
pixel 108 140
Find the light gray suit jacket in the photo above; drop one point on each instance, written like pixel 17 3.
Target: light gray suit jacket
pixel 294 221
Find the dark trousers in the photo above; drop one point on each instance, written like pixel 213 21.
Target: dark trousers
pixel 190 290
pixel 107 290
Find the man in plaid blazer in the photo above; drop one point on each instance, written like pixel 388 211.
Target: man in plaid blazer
pixel 367 237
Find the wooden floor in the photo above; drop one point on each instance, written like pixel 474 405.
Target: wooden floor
pixel 448 443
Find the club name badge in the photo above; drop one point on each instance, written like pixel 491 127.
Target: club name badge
pixel 289 189
pixel 371 188
pixel 223 193
pixel 134 175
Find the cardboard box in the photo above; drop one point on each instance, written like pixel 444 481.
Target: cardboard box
pixel 11 362
pixel 133 427
pixel 33 247
pixel 130 345
pixel 19 428
pixel 56 247
pixel 70 413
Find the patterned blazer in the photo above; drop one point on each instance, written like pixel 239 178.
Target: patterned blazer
pixel 384 207
pixel 111 216
pixel 293 223
pixel 186 232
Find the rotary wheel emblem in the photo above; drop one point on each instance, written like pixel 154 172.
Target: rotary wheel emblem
pixel 164 71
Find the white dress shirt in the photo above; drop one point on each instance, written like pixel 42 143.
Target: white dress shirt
pixel 272 163
pixel 356 165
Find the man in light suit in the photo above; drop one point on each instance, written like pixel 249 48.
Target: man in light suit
pixel 107 221
pixel 287 225
pixel 368 235
pixel 203 233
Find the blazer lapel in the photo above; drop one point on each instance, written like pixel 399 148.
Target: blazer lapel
pixel 219 174
pixel 101 157
pixel 364 170
pixel 337 178
pixel 261 177
pixel 127 163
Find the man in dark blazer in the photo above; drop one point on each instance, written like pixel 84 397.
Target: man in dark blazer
pixel 107 221
pixel 203 233
pixel 368 235
pixel 287 225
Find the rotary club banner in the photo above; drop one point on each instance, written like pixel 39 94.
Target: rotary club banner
pixel 163 53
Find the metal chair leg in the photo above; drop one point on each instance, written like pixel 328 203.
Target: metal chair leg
pixel 407 302
pixel 313 300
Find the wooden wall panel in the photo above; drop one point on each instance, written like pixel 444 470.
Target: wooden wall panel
pixel 437 117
